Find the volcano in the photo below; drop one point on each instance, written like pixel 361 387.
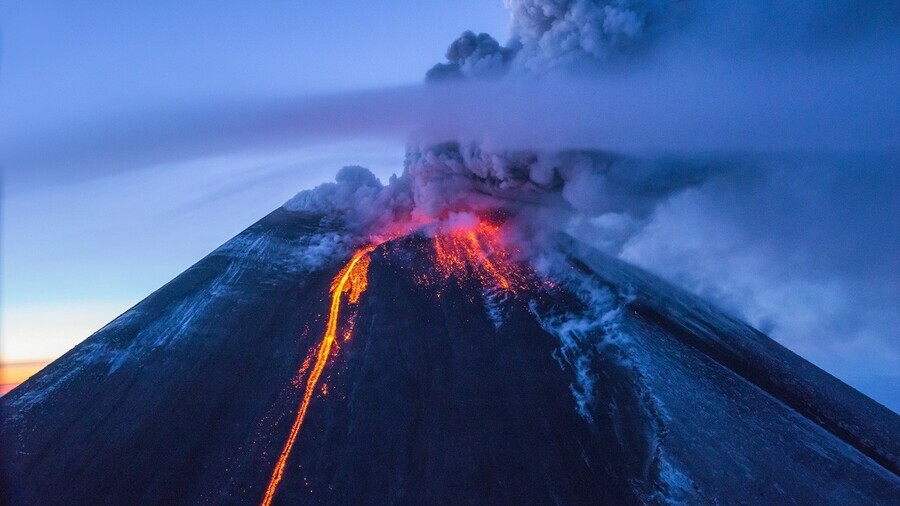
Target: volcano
pixel 435 367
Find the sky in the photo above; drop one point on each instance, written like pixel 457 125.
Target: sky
pixel 80 247
pixel 135 138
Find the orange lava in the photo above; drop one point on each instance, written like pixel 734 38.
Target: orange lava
pixel 478 250
pixel 353 280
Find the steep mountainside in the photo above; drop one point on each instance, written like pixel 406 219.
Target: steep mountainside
pixel 606 386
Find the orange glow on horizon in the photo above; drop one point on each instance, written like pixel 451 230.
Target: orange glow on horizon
pixel 12 374
pixel 353 280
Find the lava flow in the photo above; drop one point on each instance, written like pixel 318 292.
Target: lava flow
pixel 473 248
pixel 477 249
pixel 352 280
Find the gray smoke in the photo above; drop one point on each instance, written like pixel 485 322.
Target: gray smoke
pixel 473 55
pixel 802 245
pixel 589 35
pixel 563 33
pixel 357 201
pixel 453 177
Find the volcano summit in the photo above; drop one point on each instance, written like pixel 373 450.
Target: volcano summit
pixel 439 364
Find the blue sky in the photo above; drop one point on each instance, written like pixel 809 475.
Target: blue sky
pixel 77 250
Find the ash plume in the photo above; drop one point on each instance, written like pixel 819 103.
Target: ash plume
pixel 675 214
pixel 591 35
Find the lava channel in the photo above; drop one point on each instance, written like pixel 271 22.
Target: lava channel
pixel 353 280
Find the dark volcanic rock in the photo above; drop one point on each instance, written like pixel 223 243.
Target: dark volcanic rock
pixel 656 397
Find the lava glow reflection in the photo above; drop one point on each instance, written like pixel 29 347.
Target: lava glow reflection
pixel 352 280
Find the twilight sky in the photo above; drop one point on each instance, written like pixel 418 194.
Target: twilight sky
pixel 81 246
pixel 135 138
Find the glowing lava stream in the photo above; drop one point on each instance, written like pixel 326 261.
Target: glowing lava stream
pixel 478 248
pixel 475 249
pixel 356 273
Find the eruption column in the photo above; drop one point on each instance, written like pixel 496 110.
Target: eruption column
pixel 353 279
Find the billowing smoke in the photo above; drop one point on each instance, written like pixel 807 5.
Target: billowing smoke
pixel 358 201
pixel 801 245
pixel 553 34
pixel 455 177
pixel 452 177
pixel 590 35
pixel 473 56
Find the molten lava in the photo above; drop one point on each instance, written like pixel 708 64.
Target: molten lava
pixel 475 249
pixel 353 280
pixel 478 250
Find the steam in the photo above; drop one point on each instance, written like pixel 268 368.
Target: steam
pixel 802 247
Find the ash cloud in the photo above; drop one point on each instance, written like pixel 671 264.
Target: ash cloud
pixel 473 55
pixel 455 176
pixel 556 33
pixel 801 244
pixel 443 179
pixel 357 201
pixel 590 35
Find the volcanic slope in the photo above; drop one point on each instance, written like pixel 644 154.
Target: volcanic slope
pixel 604 385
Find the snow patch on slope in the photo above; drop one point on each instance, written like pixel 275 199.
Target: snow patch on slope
pixel 593 328
pixel 597 328
pixel 493 305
